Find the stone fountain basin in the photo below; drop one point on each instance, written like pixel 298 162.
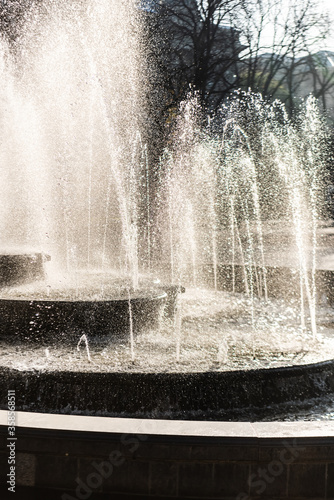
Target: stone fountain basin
pixel 59 378
pixel 17 268
pixel 54 320
pixel 214 395
pixel 102 305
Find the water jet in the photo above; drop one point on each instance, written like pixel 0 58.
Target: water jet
pixel 226 206
pixel 233 216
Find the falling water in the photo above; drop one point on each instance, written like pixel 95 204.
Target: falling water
pixel 69 126
pixel 237 178
pixel 178 328
pixel 77 183
pixel 84 339
pixel 132 345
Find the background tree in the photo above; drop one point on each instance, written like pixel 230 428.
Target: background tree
pixel 203 48
pixel 279 36
pixel 319 71
pixel 217 46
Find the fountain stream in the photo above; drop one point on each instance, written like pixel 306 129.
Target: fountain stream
pixel 233 195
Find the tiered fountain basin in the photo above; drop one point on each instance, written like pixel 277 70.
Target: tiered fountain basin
pixel 104 312
pixel 283 281
pixel 34 307
pixel 193 355
pixel 226 368
pixel 17 267
pixel 237 395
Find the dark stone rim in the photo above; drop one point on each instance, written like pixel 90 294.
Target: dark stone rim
pixel 153 394
pixel 39 320
pixel 41 302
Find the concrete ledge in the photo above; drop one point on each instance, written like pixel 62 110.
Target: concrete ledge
pixel 77 457
pixel 117 425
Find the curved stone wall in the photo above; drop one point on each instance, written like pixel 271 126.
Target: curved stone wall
pixel 71 457
pixel 158 393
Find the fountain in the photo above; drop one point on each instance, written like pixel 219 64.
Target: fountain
pixel 72 175
pixel 233 214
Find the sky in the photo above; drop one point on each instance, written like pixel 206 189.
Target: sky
pixel 324 5
pixel 328 5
